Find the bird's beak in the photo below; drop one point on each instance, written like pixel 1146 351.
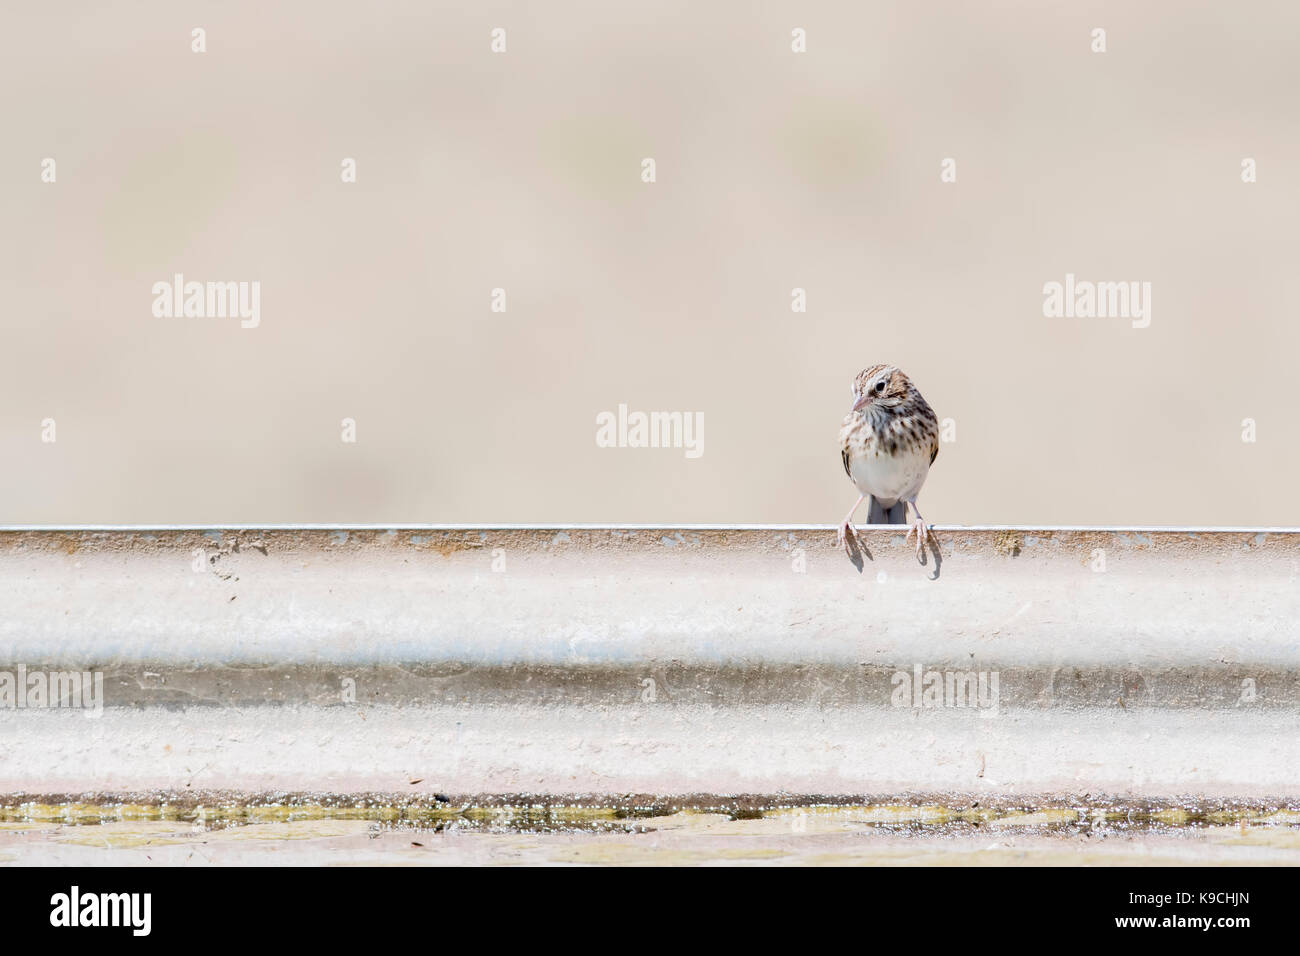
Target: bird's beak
pixel 862 402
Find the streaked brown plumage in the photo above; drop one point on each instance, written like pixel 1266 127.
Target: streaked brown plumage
pixel 887 442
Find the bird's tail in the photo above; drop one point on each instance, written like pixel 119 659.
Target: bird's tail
pixel 877 514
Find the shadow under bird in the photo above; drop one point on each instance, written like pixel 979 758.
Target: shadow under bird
pixel 889 440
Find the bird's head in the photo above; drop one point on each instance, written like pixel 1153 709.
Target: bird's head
pixel 882 386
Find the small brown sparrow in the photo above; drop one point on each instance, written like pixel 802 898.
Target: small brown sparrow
pixel 888 441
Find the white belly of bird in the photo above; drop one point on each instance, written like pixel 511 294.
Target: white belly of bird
pixel 890 478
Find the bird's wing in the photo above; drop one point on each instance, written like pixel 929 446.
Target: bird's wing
pixel 934 452
pixel 844 454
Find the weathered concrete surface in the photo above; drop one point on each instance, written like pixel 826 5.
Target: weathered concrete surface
pixel 658 660
pixel 819 838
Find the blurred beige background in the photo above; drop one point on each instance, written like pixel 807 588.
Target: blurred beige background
pixel 521 170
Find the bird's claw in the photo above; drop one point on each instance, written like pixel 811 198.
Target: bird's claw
pixel 848 533
pixel 923 536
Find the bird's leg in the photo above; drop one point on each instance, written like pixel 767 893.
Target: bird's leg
pixel 847 530
pixel 922 532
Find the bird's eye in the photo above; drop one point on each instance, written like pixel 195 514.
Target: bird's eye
pixel 880 386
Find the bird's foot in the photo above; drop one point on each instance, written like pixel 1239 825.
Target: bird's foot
pixel 923 536
pixel 848 534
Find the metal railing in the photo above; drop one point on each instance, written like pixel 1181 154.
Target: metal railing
pixel 1146 663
